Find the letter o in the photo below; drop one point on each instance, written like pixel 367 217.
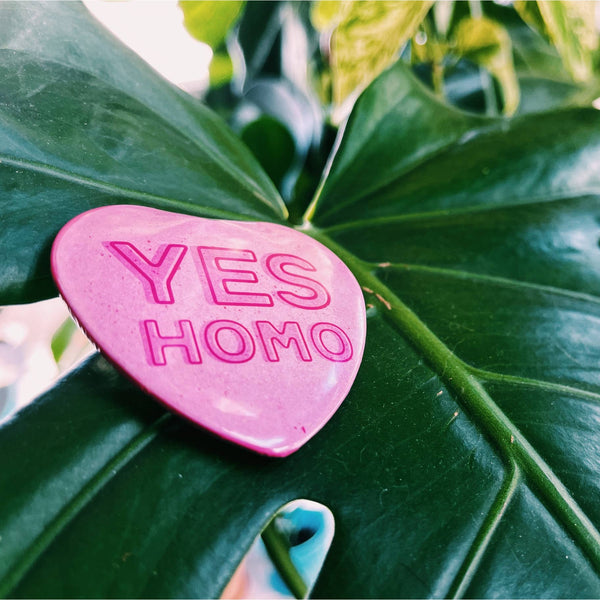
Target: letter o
pixel 342 353
pixel 213 333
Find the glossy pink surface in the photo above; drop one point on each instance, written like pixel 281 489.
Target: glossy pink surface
pixel 251 330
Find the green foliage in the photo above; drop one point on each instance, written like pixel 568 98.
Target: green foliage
pixel 465 460
pixel 272 144
pixel 83 129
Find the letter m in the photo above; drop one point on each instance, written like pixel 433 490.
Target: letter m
pixel 290 333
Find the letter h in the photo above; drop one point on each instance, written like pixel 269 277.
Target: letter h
pixel 156 343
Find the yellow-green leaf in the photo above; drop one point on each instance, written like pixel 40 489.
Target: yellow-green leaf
pixel 62 337
pixel 488 44
pixel 326 14
pixel 571 26
pixel 210 21
pixel 367 38
pixel 220 70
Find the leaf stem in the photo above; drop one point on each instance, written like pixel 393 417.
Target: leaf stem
pixel 279 552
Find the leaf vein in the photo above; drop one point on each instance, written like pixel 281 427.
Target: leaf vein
pixel 78 502
pixel 500 281
pixel 531 201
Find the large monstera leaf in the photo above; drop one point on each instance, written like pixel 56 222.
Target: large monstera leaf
pixel 466 459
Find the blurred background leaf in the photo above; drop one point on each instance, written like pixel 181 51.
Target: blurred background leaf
pixel 487 43
pixel 571 27
pixel 272 144
pixel 62 337
pixel 221 68
pixel 210 21
pixel 303 64
pixel 365 38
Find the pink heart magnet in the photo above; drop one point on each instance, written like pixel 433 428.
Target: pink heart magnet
pixel 252 330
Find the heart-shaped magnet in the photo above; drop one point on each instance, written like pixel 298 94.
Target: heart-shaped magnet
pixel 254 331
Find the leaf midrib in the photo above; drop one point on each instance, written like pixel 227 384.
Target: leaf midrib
pixel 505 282
pixel 465 384
pixel 179 205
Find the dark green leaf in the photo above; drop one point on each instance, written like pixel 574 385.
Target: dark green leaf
pixel 85 123
pixel 465 460
pixel 480 246
pixel 272 144
pixel 260 38
pixel 290 126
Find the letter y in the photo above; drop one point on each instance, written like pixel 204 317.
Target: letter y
pixel 155 274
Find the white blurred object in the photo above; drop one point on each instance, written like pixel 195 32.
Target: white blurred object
pixel 27 366
pixel 154 29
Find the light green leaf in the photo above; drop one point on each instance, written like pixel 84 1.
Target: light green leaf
pixel 488 44
pixel 220 70
pixel 327 14
pixel 366 39
pixel 211 20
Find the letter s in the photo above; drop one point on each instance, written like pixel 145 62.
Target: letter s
pixel 319 296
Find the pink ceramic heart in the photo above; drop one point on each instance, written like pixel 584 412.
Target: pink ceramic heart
pixel 252 330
